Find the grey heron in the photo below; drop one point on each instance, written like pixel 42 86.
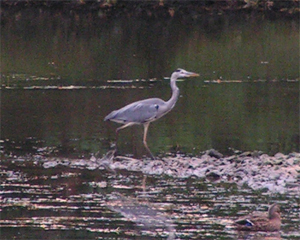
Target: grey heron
pixel 148 110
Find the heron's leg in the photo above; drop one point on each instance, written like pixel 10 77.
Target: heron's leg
pixel 146 126
pixel 118 129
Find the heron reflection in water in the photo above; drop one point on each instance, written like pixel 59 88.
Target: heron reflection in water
pixel 148 110
pixel 147 215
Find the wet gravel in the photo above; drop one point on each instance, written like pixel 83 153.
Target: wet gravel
pixel 279 173
pixel 175 197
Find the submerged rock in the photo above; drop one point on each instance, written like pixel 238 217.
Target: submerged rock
pixel 214 153
pixel 51 164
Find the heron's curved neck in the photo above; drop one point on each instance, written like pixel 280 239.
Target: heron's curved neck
pixel 175 93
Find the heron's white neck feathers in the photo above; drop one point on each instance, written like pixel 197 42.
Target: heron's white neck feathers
pixel 175 93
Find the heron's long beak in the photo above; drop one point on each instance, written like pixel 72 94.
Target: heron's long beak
pixel 191 74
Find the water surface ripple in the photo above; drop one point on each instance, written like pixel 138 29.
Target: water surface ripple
pixel 75 201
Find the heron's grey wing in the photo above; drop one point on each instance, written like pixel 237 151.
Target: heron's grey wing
pixel 137 112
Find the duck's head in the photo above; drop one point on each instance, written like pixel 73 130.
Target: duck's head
pixel 274 211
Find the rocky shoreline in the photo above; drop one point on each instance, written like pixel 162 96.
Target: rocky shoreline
pixel 278 174
pixel 11 9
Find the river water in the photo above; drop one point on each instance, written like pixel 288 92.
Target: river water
pixel 63 73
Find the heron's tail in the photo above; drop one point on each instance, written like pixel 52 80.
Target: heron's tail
pixel 110 116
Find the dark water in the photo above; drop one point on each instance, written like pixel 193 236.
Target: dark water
pixel 255 107
pixel 246 116
pixel 62 74
pixel 65 203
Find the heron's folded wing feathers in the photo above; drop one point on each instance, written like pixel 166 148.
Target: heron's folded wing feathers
pixel 138 112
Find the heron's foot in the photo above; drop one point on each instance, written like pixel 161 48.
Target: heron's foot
pixel 146 146
pixel 153 158
pixel 110 155
pixel 150 153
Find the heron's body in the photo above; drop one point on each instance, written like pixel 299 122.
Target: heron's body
pixel 140 112
pixel 269 221
pixel 148 110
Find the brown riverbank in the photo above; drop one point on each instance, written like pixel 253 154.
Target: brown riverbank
pixel 158 8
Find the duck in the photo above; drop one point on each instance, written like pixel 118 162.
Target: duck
pixel 269 221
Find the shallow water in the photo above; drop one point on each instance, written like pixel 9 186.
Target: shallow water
pixel 66 203
pixel 62 74
pixel 245 116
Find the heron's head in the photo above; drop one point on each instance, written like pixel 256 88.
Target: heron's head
pixel 181 73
